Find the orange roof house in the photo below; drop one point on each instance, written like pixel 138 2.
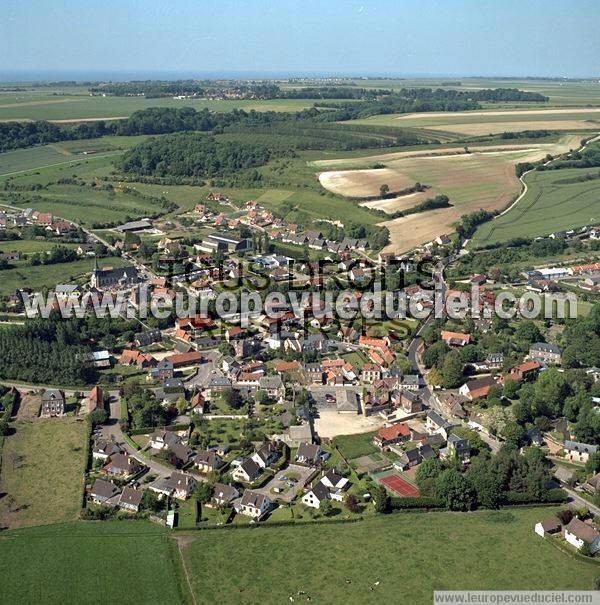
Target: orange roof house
pixel 391 435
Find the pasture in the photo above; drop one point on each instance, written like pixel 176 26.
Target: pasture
pixel 42 472
pixel 548 206
pixel 108 562
pixel 224 565
pixel 22 274
pixel 84 107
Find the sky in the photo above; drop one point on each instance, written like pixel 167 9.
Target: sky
pixel 326 37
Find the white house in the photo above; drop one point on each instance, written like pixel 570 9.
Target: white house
pixel 577 533
pixel 579 452
pixel 247 471
pixel 549 526
pixel 254 504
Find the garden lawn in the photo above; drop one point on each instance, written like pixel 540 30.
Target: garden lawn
pixel 354 446
pixel 448 551
pixel 107 562
pixel 42 472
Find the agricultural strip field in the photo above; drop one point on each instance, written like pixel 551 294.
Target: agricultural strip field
pixel 492 122
pixel 84 107
pixel 547 206
pixel 484 178
pixel 90 563
pixel 42 472
pixel 224 565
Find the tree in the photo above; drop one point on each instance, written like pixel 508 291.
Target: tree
pixel 434 377
pixel 99 416
pixel 486 482
pixel 528 331
pixel 565 516
pixel 428 469
pixel 384 190
pixel 203 492
pixel 593 463
pixel 455 490
pixel 511 388
pixel 352 503
pixel 326 508
pixel 181 405
pixel 260 396
pixel 452 370
pixel 381 500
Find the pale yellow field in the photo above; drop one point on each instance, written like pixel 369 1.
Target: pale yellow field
pixel 363 183
pixel 483 128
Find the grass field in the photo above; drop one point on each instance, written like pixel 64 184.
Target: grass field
pixel 547 206
pixel 45 276
pixel 354 446
pixel 447 551
pixel 42 472
pixel 21 106
pixel 494 121
pixel 109 562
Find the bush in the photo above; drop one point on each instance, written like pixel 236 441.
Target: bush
pixel 421 502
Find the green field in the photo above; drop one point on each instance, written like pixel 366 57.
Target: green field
pixel 46 276
pixel 410 555
pixel 548 206
pixel 42 472
pixel 353 446
pixel 109 562
pixel 21 106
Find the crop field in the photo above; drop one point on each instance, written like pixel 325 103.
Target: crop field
pixel 494 121
pixel 223 565
pixel 108 562
pixel 484 178
pixel 84 107
pixel 31 246
pixel 42 472
pixel 22 274
pixel 547 206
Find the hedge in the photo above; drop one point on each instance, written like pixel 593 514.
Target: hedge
pixel 145 430
pixel 420 502
pixel 273 524
pixel 557 495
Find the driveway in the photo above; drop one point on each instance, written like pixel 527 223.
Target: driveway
pixel 112 431
pixel 290 481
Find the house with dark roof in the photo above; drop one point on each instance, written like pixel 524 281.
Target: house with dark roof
pixel 266 455
pixel 131 499
pixel 123 465
pixel 548 526
pixel 545 352
pixel 208 461
pixel 247 471
pixel 311 453
pixel 577 533
pixel 181 485
pixel 104 449
pixel 53 403
pixel 104 492
pixel 224 494
pixel 578 452
pixel 254 504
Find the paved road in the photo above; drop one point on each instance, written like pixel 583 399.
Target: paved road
pixel 579 501
pixel 112 430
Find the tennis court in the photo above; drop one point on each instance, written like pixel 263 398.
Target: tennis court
pixel 400 486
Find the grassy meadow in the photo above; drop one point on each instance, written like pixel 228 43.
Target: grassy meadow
pixel 22 274
pixel 23 106
pixel 42 472
pixel 548 206
pixel 442 551
pixel 90 563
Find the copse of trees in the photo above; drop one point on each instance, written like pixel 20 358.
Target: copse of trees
pixel 196 155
